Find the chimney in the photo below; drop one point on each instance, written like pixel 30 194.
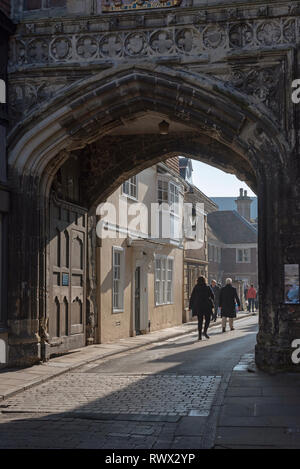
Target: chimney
pixel 243 203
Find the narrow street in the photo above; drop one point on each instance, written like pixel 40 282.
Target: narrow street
pixel 165 395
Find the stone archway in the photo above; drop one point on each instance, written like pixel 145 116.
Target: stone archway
pixel 212 122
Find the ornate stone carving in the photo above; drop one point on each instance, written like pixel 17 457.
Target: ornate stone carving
pixel 133 5
pixel 200 17
pixel 185 40
pixel 171 19
pixel 183 115
pixel 161 42
pixel 111 45
pixel 61 48
pixel 294 9
pixel 23 96
pixel 135 44
pixel 30 28
pixel 262 84
pixel 58 28
pixel 188 39
pixel 21 55
pixel 213 36
pixel 289 31
pixel 83 26
pixel 263 11
pixel 232 13
pixel 139 20
pixel 38 50
pixel 240 35
pixel 268 33
pixel 86 47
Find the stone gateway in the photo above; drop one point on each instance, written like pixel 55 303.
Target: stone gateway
pixel 89 83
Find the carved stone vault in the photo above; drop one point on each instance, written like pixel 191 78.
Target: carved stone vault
pixel 86 86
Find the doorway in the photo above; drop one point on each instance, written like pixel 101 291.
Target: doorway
pixel 140 299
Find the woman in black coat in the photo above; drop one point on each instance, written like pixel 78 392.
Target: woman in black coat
pixel 201 303
pixel 227 301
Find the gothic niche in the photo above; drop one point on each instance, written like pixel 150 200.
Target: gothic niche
pixel 66 182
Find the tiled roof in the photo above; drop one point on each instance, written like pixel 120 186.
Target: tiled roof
pixel 231 228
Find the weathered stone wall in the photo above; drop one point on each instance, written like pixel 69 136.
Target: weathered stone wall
pixel 219 42
pixel 222 73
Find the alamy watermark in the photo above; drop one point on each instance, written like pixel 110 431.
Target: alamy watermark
pixel 2 351
pixel 155 221
pixel 296 353
pixel 296 92
pixel 2 92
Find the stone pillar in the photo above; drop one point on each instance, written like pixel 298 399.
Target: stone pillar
pixel 24 273
pixel 278 244
pixel 92 306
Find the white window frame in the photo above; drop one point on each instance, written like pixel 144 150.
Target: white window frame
pixel 164 286
pixel 130 185
pixel 120 307
pixel 173 210
pixel 245 259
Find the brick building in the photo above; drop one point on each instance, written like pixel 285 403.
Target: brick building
pixel 232 248
pixel 195 256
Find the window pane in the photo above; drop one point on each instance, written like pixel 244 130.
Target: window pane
pixel 129 187
pixel 117 287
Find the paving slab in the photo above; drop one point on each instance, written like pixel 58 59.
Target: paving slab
pixel 260 411
pixel 288 421
pixel 238 391
pixel 190 426
pixel 258 437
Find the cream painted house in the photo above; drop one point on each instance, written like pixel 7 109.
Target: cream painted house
pixel 140 268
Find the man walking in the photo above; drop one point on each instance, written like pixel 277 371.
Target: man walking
pixel 251 296
pixel 227 302
pixel 216 291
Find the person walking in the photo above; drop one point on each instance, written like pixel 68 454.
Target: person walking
pixel 245 296
pixel 227 301
pixel 201 303
pixel 251 296
pixel 216 291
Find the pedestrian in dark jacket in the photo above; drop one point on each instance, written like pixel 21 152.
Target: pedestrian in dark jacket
pixel 227 301
pixel 216 291
pixel 201 303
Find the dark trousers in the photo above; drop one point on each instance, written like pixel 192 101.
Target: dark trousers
pixel 251 303
pixel 200 322
pixel 214 313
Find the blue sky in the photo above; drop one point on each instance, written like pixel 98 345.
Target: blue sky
pixel 216 183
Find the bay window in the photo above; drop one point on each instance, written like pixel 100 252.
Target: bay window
pixel 163 280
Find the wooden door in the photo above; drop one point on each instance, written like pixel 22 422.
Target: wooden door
pixel 67 298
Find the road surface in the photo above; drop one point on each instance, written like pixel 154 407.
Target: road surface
pixel 165 395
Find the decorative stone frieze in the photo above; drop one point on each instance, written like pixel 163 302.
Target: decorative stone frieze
pixel 31 48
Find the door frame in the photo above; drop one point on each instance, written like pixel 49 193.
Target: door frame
pixel 144 316
pixel 65 343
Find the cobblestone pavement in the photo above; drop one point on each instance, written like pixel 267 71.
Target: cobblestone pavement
pixel 125 394
pixel 113 403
